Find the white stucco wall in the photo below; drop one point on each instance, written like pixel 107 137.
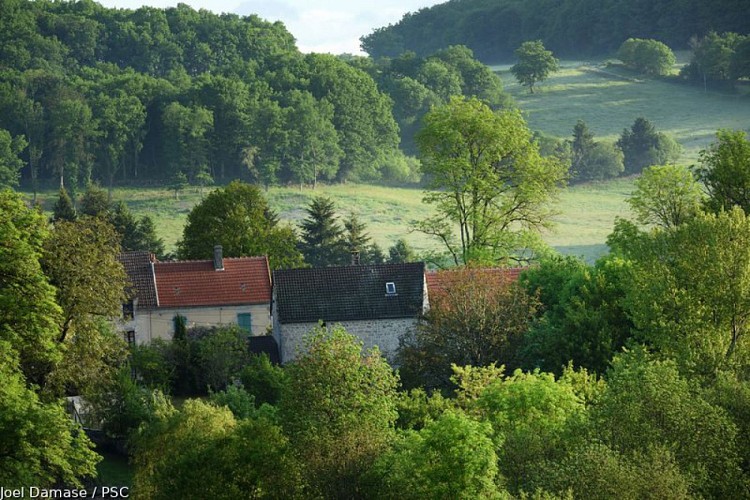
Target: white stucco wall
pixel 384 333
pixel 159 323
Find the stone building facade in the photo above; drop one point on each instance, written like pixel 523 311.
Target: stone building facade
pixel 376 303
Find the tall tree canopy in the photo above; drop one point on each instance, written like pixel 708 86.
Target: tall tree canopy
pixel 487 178
pixel 672 290
pixel 39 444
pixel 238 218
pixel 10 162
pixel 666 196
pixel 573 28
pixel 338 409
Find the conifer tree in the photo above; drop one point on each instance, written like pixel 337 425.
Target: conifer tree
pixel 321 239
pixel 64 209
pixel 356 240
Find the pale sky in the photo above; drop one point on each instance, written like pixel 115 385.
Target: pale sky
pixel 318 25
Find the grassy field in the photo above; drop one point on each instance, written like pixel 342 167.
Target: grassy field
pixel 585 219
pixel 609 100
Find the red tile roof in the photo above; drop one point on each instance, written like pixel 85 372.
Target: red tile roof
pixel 244 280
pixel 439 281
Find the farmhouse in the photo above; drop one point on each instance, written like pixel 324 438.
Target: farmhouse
pixel 377 303
pixel 204 292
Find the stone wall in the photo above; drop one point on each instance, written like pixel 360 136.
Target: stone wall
pixel 384 333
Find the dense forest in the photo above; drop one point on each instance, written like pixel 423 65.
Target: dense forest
pixel 571 28
pixel 178 95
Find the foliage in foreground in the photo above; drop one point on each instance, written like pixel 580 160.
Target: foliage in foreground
pixel 39 444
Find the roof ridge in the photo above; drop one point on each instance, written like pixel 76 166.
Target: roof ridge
pixel 190 261
pixel 352 266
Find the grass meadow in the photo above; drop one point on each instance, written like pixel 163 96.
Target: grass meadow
pixel 585 218
pixel 607 98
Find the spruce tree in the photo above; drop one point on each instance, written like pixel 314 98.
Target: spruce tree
pixel 356 240
pixel 321 239
pixel 583 143
pixel 643 147
pixel 95 202
pixel 401 252
pixel 64 209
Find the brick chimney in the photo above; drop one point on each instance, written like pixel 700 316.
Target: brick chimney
pixel 218 258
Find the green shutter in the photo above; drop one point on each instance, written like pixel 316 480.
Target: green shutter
pixel 245 321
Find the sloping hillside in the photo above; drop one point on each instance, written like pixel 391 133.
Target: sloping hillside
pixel 571 28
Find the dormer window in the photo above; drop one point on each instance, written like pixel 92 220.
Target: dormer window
pixel 390 288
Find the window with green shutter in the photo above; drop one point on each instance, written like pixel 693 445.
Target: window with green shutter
pixel 245 321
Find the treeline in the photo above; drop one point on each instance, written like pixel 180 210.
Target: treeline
pixel 570 28
pixel 416 84
pixel 153 93
pixel 178 95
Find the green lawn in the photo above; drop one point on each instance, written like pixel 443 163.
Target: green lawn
pixel 586 212
pixel 610 99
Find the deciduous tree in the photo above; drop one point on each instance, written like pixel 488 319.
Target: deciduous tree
pixel 534 65
pixel 451 457
pixel 10 163
pixel 647 56
pixel 672 294
pixel 486 177
pixel 39 444
pixel 477 318
pixel 80 259
pixel 725 171
pixel 647 405
pixel 249 458
pixel 338 409
pixel 665 196
pixel 583 320
pixel 29 315
pixel 238 218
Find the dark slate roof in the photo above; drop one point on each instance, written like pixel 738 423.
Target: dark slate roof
pixel 348 293
pixel 140 274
